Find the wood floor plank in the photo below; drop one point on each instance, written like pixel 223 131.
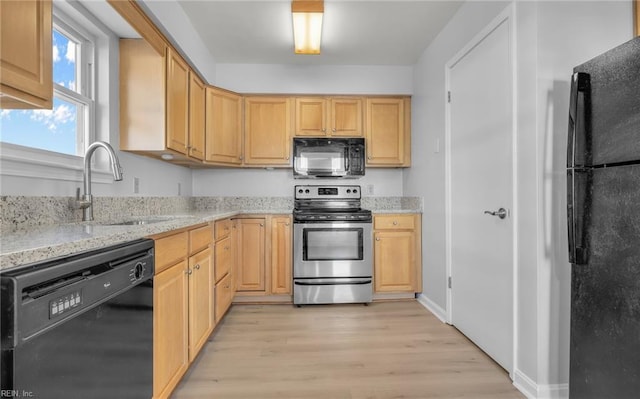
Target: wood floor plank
pixel 382 351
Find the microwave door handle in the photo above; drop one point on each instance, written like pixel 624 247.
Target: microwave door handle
pixel 347 152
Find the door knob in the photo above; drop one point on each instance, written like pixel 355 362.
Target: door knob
pixel 501 213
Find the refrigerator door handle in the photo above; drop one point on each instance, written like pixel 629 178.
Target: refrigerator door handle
pixel 577 200
pixel 579 83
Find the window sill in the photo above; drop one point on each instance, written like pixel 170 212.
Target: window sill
pixel 16 160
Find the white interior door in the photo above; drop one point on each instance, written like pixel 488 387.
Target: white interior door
pixel 480 179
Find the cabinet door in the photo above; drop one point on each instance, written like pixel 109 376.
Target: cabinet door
pixel 171 250
pixel 224 255
pixel 196 117
pixel 224 295
pixel 281 255
pixel 223 127
pixel 250 270
pixel 177 112
pixel 267 131
pixel 26 59
pixel 386 136
pixel 394 261
pixel 170 328
pixel 200 301
pixel 346 117
pixel 311 116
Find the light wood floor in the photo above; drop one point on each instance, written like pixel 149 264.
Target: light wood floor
pixel 384 350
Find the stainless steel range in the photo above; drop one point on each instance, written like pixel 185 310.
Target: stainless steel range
pixel 332 246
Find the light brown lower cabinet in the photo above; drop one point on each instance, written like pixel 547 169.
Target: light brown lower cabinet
pixel 397 253
pixel 225 259
pixel 183 303
pixel 170 328
pixel 263 264
pixel 281 263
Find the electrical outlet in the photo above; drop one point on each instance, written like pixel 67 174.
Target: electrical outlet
pixel 369 189
pixel 136 185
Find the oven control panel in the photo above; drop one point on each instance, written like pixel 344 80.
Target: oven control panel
pixel 327 192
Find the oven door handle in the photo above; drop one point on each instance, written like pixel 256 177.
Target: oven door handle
pixel 352 282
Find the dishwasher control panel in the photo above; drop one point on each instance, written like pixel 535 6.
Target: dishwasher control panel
pixel 64 303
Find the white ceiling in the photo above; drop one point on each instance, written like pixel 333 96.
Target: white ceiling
pixel 355 32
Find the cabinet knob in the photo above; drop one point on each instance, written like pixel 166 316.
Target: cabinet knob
pixel 197 267
pixel 261 224
pixel 334 129
pixel 286 224
pixel 395 222
pixel 369 157
pixel 324 130
pixel 287 157
pixel 377 238
pixel 241 157
pixel 189 272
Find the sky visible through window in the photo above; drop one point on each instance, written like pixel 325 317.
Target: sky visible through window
pixel 54 129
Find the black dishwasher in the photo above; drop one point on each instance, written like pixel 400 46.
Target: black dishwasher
pixel 79 326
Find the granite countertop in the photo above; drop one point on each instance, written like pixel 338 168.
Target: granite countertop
pixel 46 242
pixel 40 228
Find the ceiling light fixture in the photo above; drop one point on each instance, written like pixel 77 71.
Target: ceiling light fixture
pixel 307 25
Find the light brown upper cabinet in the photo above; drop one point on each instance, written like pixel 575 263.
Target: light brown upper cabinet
pixel 196 135
pixel 223 127
pixel 636 5
pixel 388 131
pixel 177 85
pixel 155 104
pixel 267 131
pixel 328 116
pixel 26 59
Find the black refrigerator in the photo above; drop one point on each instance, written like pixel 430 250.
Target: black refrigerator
pixel 603 209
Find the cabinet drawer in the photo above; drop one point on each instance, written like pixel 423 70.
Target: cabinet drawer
pixel 224 258
pixel 224 295
pixel 383 222
pixel 200 238
pixel 223 228
pixel 170 250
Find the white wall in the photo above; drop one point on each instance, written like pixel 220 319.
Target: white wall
pixel 280 182
pixel 552 37
pixel 315 79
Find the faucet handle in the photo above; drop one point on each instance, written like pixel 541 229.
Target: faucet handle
pixel 81 203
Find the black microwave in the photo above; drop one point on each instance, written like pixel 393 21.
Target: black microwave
pixel 328 157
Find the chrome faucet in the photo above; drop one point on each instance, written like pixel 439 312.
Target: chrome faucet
pixel 86 203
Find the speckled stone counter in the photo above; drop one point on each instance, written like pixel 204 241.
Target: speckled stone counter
pixel 393 204
pixel 39 228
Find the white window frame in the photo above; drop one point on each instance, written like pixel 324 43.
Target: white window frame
pixel 22 161
pixel 85 79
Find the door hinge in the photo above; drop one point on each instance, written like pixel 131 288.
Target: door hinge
pixel 449 281
pixel 448 96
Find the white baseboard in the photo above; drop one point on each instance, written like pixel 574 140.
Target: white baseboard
pixel 432 307
pixel 531 390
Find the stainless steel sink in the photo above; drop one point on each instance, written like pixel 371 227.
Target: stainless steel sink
pixel 135 222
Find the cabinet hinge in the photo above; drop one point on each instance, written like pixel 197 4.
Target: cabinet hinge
pixel 449 281
pixel 448 96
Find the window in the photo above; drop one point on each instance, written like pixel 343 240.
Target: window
pixel 67 127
